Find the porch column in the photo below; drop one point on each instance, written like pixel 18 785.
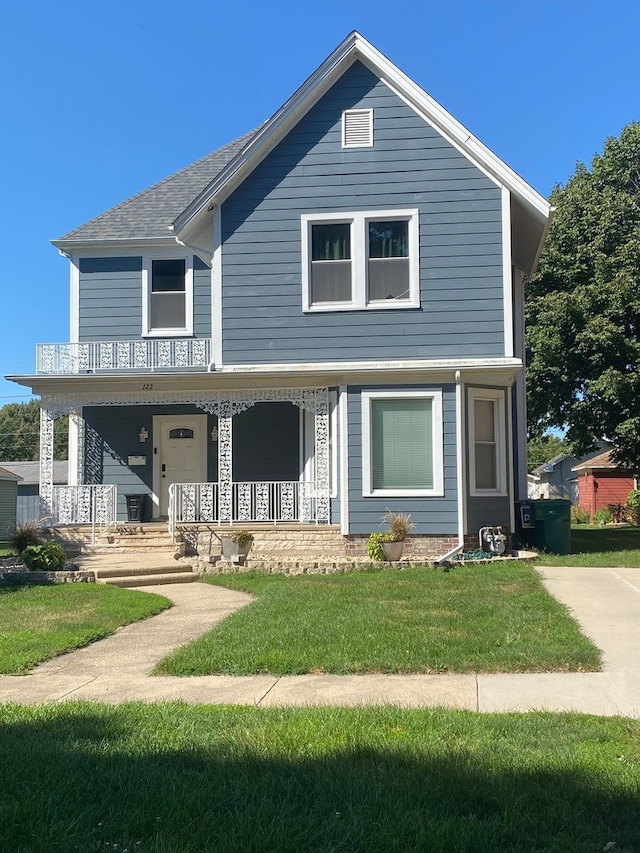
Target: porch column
pixel 47 418
pixel 225 459
pixel 323 457
pixel 76 448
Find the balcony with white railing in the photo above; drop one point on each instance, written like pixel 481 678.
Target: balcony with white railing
pixel 273 502
pixel 153 354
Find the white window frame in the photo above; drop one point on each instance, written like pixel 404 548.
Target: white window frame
pixel 358 220
pixel 368 113
pixel 172 332
pixel 437 448
pixel 497 397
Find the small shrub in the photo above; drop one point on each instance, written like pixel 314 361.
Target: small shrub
pixel 399 524
pixel 374 548
pixel 579 515
pixel 633 505
pixel 603 516
pixel 24 535
pixel 242 538
pixel 44 558
pixel 617 512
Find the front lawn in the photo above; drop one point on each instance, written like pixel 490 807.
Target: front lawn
pixel 482 618
pixel 40 622
pixel 176 778
pixel 612 546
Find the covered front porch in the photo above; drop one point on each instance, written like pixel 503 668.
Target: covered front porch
pixel 217 457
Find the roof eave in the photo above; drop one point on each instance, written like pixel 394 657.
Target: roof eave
pixel 111 243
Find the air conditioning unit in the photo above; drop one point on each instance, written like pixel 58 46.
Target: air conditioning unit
pixel 492 540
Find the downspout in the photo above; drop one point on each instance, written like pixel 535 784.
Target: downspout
pixel 461 480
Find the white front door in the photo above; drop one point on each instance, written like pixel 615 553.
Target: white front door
pixel 180 454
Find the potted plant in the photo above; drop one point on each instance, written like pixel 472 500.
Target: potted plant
pixel 236 545
pixel 389 546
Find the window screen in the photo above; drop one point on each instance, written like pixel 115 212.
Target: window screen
pixel 402 443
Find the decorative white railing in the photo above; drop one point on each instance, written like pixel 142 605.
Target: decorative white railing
pixel 99 356
pixel 94 505
pixel 264 501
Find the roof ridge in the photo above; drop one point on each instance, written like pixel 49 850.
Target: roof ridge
pixel 244 137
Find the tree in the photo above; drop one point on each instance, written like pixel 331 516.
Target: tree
pixel 542 448
pixel 583 306
pixel 20 433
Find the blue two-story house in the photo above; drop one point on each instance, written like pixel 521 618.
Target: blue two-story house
pixel 319 321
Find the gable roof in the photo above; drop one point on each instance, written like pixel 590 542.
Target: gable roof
pixel 8 475
pixel 602 462
pixel 532 214
pixel 29 472
pixel 548 466
pixel 149 214
pixel 177 209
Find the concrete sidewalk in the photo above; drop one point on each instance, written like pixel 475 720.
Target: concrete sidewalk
pixel 605 601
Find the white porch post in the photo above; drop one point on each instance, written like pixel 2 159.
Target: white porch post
pixel 46 456
pixel 76 447
pixel 323 457
pixel 225 459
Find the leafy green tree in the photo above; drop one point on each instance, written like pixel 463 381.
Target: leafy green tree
pixel 541 448
pixel 583 307
pixel 20 433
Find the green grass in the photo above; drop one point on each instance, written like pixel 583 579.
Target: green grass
pixel 181 779
pixel 5 550
pixel 495 618
pixel 615 546
pixel 40 622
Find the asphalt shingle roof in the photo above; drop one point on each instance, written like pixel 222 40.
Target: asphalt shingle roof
pixel 29 472
pixel 149 213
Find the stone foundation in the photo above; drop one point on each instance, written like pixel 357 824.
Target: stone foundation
pixel 46 578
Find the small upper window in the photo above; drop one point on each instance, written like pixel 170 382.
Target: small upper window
pixel 357 128
pixel 168 287
pixel 167 297
pixel 388 259
pixel 331 262
pixel 181 432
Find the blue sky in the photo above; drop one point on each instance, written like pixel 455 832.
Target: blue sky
pixel 100 100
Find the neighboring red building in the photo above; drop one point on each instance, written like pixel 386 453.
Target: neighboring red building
pixel 601 482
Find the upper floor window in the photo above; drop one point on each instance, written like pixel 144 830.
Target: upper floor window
pixel 360 260
pixel 168 292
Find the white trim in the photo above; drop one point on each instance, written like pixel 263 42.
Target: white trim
pixel 162 422
pixel 368 143
pixel 511 475
pixel 307 439
pixel 187 329
pixel 74 301
pixel 507 273
pixel 460 458
pixel 520 386
pixel 437 444
pixel 358 220
pixel 495 395
pixel 344 461
pixel 216 289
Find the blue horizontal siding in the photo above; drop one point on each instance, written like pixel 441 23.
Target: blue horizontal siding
pixel 410 165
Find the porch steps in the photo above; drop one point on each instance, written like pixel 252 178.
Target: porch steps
pixel 145 576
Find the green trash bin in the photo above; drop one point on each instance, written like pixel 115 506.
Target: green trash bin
pixel 552 531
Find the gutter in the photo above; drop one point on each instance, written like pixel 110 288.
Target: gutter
pixel 461 470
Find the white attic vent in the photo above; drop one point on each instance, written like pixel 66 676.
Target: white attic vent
pixel 357 128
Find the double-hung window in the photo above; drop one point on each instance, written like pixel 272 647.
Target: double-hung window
pixel 402 446
pixel 367 259
pixel 487 450
pixel 168 293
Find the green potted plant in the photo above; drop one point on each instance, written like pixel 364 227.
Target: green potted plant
pixel 236 546
pixel 389 546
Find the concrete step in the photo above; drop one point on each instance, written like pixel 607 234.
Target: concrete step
pixel 149 580
pixel 128 546
pixel 131 570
